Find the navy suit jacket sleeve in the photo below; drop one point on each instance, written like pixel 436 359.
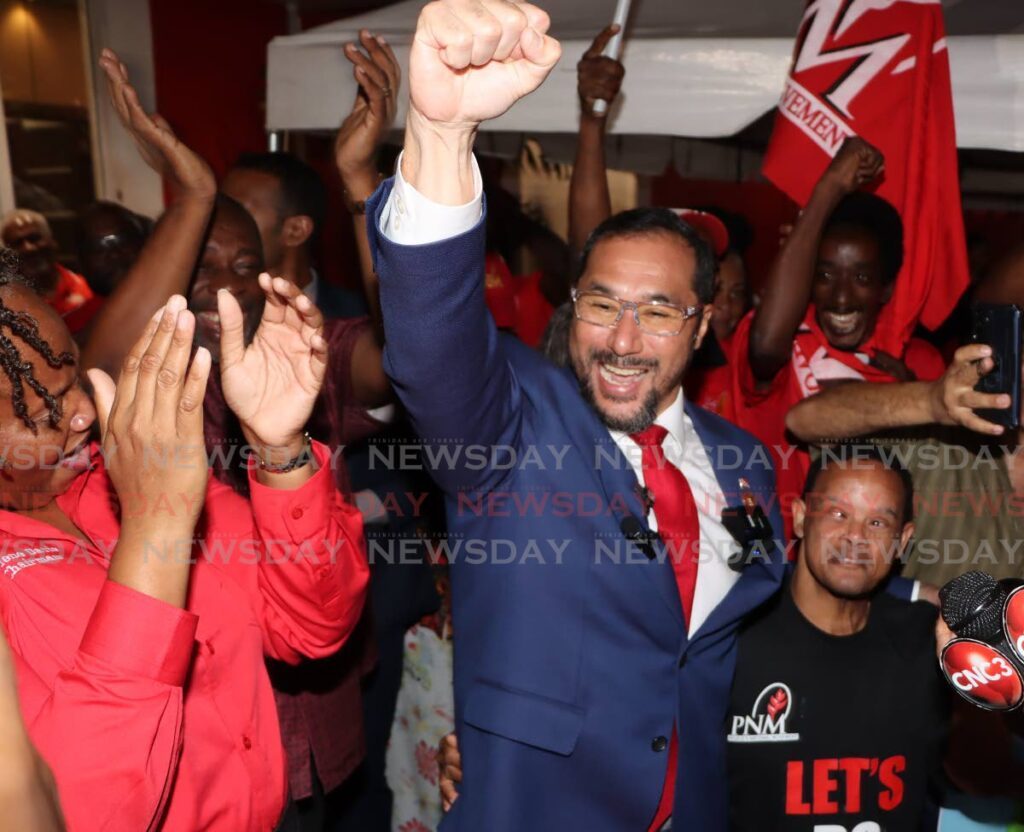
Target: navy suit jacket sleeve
pixel 442 351
pixel 900 587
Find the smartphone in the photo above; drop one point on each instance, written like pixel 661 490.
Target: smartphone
pixel 999 327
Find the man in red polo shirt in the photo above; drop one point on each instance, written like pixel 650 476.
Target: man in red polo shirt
pixel 29 235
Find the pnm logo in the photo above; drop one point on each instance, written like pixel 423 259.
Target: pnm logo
pixel 767 719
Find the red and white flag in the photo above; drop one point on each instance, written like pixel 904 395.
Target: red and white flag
pixel 879 69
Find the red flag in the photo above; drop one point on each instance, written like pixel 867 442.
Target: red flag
pixel 879 69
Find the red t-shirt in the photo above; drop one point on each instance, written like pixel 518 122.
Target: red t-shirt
pixel 78 319
pixel 762 412
pixel 147 711
pixel 71 292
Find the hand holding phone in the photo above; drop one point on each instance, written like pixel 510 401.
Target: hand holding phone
pixel 999 326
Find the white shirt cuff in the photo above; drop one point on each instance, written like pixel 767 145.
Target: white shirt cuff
pixel 410 219
pixel 384 414
pixel 915 592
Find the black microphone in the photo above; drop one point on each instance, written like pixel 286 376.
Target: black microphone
pixel 972 606
pixel 983 664
pixel 633 530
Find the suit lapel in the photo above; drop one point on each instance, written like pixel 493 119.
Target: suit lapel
pixel 622 493
pixel 760 579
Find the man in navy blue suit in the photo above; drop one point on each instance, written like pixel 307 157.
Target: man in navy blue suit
pixel 596 592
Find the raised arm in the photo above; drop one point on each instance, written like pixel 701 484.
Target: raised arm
pixel 166 262
pixel 356 147
pixel 358 142
pixel 308 598
pixel 787 292
pixel 590 202
pixel 470 61
pixel 856 409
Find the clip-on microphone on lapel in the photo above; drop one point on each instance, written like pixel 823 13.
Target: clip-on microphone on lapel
pixel 749 526
pixel 633 530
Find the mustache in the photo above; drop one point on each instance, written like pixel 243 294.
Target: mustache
pixel 625 361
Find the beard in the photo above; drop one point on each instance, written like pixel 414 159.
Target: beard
pixel 646 411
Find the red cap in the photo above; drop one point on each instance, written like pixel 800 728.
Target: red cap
pixel 708 226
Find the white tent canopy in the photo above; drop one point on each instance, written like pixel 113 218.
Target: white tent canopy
pixel 693 68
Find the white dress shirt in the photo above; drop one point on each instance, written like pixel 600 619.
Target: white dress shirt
pixel 409 218
pixel 684 449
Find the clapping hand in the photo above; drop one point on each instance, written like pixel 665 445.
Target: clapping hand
pixel 151 423
pixel 379 76
pixel 157 144
pixel 272 383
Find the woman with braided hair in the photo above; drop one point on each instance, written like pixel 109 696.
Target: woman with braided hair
pixel 139 596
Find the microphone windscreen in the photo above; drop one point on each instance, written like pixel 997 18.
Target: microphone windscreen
pixel 631 528
pixel 972 606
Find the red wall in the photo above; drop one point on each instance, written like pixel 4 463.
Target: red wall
pixel 211 79
pixel 210 62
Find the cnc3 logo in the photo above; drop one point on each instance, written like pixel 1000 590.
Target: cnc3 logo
pixel 767 719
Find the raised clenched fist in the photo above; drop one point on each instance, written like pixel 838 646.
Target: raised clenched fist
pixel 858 163
pixel 473 59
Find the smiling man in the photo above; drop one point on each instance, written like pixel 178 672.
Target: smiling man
pixel 838 713
pixel 28 233
pixel 820 310
pixel 589 688
pixel 628 378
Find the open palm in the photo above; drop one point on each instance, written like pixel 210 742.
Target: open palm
pixel 272 383
pixel 378 75
pixel 161 149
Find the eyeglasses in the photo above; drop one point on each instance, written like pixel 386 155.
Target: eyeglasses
pixel 653 318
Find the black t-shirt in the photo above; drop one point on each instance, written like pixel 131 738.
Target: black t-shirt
pixel 835 734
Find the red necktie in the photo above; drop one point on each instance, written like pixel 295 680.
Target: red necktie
pixel 675 510
pixel 679 527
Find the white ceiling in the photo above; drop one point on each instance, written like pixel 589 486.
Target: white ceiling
pixel 721 18
pixel 695 68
